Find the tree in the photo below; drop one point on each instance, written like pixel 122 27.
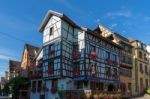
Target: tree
pixel 14 85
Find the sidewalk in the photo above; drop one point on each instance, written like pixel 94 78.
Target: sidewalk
pixel 143 97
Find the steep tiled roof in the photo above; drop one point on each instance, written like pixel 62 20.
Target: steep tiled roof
pixel 32 50
pixel 60 15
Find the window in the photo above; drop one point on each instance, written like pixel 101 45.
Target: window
pixel 129 86
pixel 107 55
pixel 51 31
pixel 114 57
pixel 75 47
pixel 42 96
pixel 141 68
pixel 40 84
pixel 126 48
pixel 141 83
pixel 50 67
pixel 34 84
pixel 115 72
pixel 51 47
pixel 92 48
pixel 140 54
pixel 146 70
pixel 79 84
pixel 76 68
pixel 145 57
pixel 92 85
pixel 54 83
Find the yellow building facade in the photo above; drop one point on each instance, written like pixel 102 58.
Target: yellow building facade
pixel 140 71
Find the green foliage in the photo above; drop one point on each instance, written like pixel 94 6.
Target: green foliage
pixel 15 84
pixel 148 91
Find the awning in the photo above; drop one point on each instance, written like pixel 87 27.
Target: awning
pixel 102 80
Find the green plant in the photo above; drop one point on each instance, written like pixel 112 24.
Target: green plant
pixel 148 91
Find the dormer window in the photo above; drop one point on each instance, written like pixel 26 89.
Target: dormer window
pixel 51 31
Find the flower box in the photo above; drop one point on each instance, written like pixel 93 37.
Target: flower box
pixel 76 72
pixel 50 71
pixel 93 55
pixel 76 55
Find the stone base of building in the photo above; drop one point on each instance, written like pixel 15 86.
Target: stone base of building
pixel 88 94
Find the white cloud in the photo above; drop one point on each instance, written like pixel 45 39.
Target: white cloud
pixel 6 58
pixel 6 54
pixel 124 13
pixel 147 18
pixel 112 26
pixel 97 20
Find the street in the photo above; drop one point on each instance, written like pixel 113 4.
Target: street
pixel 4 97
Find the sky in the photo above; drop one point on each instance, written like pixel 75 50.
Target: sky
pixel 20 20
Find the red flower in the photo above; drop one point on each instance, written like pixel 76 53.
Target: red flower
pixel 53 90
pixel 40 75
pixel 76 55
pixel 50 70
pixel 39 65
pixel 50 53
pixel 93 54
pixel 75 72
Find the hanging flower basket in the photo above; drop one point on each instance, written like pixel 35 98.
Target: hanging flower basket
pixel 53 90
pixel 93 55
pixel 50 53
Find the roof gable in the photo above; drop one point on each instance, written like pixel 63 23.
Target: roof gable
pixel 51 13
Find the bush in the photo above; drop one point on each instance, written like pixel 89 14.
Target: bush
pixel 148 91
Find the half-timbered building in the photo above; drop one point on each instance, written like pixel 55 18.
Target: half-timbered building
pixel 126 58
pixel 76 62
